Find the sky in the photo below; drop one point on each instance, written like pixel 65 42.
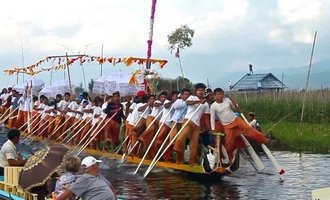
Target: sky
pixel 229 35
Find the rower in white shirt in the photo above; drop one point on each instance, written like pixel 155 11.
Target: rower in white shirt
pixel 197 106
pixel 157 107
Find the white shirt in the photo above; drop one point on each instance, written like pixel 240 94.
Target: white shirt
pixel 167 114
pixel 180 110
pixel 80 109
pixel 87 115
pixel 41 106
pixel 253 123
pixel 27 104
pixel 4 98
pixel 44 114
pixel 104 106
pixel 8 151
pixel 73 106
pixel 62 105
pixel 223 112
pixel 196 118
pixel 21 102
pixel 129 117
pixel 136 113
pixel 156 110
pixel 97 111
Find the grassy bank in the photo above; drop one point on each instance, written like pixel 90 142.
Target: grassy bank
pixel 313 135
pixel 305 137
pixel 271 107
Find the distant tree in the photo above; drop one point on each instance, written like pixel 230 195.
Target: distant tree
pixel 179 40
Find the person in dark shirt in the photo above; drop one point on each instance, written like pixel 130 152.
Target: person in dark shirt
pixel 112 129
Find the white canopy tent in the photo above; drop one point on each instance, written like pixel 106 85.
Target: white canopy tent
pixel 58 87
pixel 117 82
pixel 37 85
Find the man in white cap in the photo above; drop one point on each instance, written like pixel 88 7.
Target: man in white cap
pixel 91 185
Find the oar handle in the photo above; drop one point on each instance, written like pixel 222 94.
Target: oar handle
pixel 153 140
pixel 171 142
pixel 95 134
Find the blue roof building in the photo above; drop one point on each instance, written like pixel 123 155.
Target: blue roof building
pixel 251 82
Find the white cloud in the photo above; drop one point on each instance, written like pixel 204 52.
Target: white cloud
pixel 229 34
pixel 298 10
pixel 305 36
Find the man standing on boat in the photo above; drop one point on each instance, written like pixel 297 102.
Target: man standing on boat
pixel 112 129
pixel 234 126
pixel 91 185
pixel 8 154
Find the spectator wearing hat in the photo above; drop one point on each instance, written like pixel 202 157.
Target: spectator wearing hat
pixel 91 185
pixel 253 121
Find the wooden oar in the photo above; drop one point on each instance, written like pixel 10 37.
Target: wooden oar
pixel 9 115
pixel 35 137
pixel 61 127
pixel 137 142
pixel 73 127
pixel 95 133
pixel 275 164
pixel 88 132
pixel 151 166
pixel 167 137
pixel 58 126
pixel 73 136
pixel 28 121
pixel 153 140
pixel 259 165
pixel 39 127
pixel 32 132
pixel 127 137
pixel 4 113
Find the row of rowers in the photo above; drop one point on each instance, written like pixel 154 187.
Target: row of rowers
pixel 185 116
pixel 167 113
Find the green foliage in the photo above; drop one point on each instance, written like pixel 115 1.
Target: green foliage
pixel 272 107
pixel 305 137
pixel 168 84
pixel 181 38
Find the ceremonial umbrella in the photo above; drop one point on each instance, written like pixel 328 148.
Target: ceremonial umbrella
pixel 42 165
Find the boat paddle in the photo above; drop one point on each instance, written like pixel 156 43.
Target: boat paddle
pixel 151 166
pixel 153 140
pixel 272 159
pixel 97 131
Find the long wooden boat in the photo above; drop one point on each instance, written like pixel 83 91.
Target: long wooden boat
pixel 202 169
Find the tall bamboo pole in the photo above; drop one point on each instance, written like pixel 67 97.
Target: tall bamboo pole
pixel 102 62
pixel 308 74
pixel 68 68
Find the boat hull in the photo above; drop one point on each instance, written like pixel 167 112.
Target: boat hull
pixel 201 170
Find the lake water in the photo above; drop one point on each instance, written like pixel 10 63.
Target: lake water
pixel 304 172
